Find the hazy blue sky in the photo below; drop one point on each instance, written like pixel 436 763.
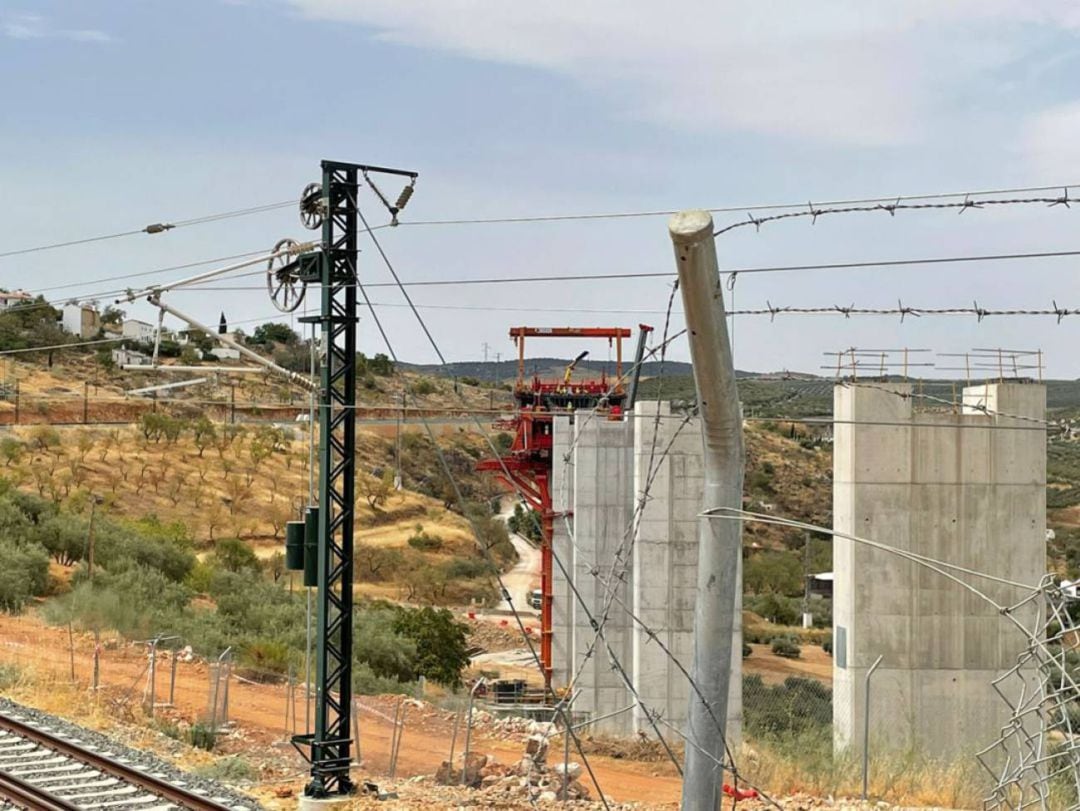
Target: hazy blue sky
pixel 116 114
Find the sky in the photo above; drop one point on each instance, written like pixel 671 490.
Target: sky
pixel 123 113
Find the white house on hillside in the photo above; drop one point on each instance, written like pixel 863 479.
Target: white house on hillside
pixel 129 357
pixel 80 319
pixel 11 298
pixel 138 330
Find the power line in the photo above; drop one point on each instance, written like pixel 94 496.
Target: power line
pixel 585 277
pixel 731 209
pixel 153 228
pixel 143 273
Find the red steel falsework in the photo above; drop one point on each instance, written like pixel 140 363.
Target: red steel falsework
pixel 527 466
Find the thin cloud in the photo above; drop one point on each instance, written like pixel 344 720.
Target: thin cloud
pixel 34 26
pixel 1051 142
pixel 849 72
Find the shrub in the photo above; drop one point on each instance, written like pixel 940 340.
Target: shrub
pixel 459 568
pixel 229 769
pixel 787 647
pixel 233 555
pixel 441 648
pixel 265 660
pixel 746 650
pixel 775 608
pixel 826 644
pixel 423 386
pixel 798 705
pixel 24 573
pixel 366 682
pixel 425 543
pixel 202 736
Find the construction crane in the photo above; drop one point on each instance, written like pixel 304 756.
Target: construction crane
pixel 527 466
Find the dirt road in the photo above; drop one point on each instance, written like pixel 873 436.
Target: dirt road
pixel 525 576
pixel 259 711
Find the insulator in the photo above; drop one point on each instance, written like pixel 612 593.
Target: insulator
pixel 404 197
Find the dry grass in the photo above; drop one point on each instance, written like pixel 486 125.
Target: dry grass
pixel 806 764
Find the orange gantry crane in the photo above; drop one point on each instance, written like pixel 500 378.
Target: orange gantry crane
pixel 527 467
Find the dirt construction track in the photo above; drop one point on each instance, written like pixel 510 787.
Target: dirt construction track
pixel 259 710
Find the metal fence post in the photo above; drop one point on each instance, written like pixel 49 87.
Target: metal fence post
pixel 453 746
pixel 866 728
pixel 153 673
pixel 225 699
pixel 357 756
pixel 172 680
pixel 468 728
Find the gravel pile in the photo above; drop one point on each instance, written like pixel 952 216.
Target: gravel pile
pixel 145 761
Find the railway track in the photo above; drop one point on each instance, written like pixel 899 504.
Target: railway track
pixel 43 770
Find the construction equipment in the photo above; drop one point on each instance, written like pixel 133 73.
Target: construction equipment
pixel 527 466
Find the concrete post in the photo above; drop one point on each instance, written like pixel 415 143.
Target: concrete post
pixel 720 541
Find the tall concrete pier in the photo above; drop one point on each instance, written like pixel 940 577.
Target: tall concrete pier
pixel 610 464
pixel 968 489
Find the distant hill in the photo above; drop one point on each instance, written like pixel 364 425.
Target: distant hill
pixel 505 371
pixel 768 396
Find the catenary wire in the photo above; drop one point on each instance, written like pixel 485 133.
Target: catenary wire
pixel 156 228
pixel 583 277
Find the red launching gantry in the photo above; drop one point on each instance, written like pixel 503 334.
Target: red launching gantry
pixel 527 466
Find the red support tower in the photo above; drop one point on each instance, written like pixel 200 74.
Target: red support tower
pixel 527 466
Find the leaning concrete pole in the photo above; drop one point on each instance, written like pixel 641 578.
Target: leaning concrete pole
pixel 719 541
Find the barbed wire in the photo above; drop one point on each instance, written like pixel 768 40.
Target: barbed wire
pixel 904 311
pixel 723 209
pixel 891 208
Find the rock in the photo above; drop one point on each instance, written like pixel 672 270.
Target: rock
pixel 579 791
pixel 547 797
pixel 525 766
pixel 573 770
pixel 474 763
pixel 536 747
pixel 443 775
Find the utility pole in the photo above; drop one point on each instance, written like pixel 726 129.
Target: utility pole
pixel 719 538
pixel 332 205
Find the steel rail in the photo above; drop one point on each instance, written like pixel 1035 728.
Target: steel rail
pixel 128 774
pixel 23 794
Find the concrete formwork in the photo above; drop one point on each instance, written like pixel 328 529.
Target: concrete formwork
pixel 600 484
pixel 954 488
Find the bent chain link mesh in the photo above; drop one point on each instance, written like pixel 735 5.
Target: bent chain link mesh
pixel 1035 762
